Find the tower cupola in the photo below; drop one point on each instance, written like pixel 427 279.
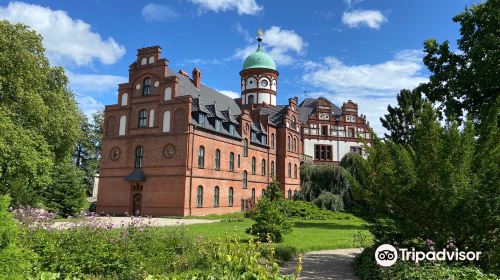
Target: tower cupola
pixel 259 77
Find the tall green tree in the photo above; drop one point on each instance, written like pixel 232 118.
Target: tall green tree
pixel 66 193
pixel 466 81
pixel 401 119
pixel 38 112
pixel 88 148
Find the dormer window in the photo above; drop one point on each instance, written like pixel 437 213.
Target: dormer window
pixel 264 139
pixel 253 136
pixel 202 118
pixel 218 125
pixel 231 129
pixel 147 87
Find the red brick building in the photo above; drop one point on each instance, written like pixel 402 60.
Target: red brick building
pixel 173 146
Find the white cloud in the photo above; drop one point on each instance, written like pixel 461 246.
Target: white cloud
pixel 63 37
pixel 88 105
pixel 370 18
pixel 158 12
pixel 230 93
pixel 281 44
pixel 243 7
pixel 96 84
pixel 372 86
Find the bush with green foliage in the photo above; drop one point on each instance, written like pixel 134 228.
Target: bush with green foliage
pixel 270 221
pixel 318 179
pixel 273 190
pixel 305 210
pixel 16 261
pixel 329 201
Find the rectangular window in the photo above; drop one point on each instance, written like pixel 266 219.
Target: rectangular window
pixel 264 139
pixel 324 130
pixel 323 152
pixel 357 150
pixel 231 129
pixel 201 119
pixel 350 133
pixel 218 124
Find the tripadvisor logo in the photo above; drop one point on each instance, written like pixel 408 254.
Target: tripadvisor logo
pixel 387 255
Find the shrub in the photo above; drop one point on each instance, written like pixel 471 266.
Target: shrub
pixel 285 252
pixel 307 211
pixel 92 248
pixel 16 262
pixel 270 222
pixel 317 179
pixel 329 201
pixel 231 259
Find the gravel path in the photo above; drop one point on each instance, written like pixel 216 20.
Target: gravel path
pixel 155 222
pixel 329 264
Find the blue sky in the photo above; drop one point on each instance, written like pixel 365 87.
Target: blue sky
pixel 365 51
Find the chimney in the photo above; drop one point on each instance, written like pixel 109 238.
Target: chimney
pixel 196 77
pixel 183 73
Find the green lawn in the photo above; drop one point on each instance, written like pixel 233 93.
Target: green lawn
pixel 307 235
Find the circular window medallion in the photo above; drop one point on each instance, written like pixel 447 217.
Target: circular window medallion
pixel 157 84
pixel 169 151
pixel 247 127
pixel 138 86
pixel 264 83
pixel 115 154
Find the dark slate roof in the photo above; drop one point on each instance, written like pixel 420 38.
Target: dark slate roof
pixel 275 113
pixel 211 102
pixel 136 175
pixel 208 96
pixel 308 107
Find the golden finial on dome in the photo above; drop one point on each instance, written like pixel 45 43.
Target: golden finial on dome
pixel 260 33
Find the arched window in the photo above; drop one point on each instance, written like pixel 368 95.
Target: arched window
pixel 231 196
pixel 231 161
pixel 147 87
pixel 272 168
pixel 239 160
pixel 253 165
pixel 166 121
pixel 251 99
pixel 199 197
pixel 201 157
pixel 143 117
pixel 272 141
pixel 245 147
pixel 253 196
pixel 168 94
pixel 289 194
pixel 294 144
pixel 216 197
pixel 263 167
pixel 245 179
pixel 139 155
pixel 289 143
pixel 295 171
pixel 123 124
pixel 217 159
pixel 289 170
pixel 124 99
pixel 295 194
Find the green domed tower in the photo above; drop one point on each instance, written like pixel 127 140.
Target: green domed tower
pixel 259 77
